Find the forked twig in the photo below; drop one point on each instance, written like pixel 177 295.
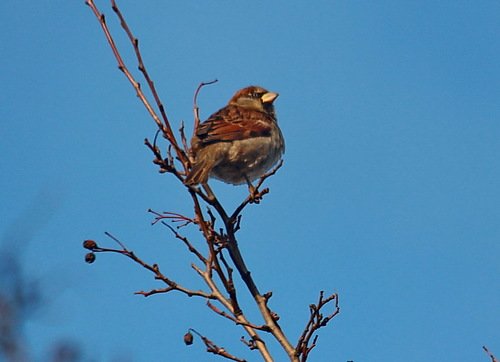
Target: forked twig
pixel 315 322
pixel 173 216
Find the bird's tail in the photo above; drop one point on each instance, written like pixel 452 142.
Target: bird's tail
pixel 198 174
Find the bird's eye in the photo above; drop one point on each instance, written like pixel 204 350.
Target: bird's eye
pixel 255 95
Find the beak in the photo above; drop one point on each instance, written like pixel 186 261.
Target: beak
pixel 269 97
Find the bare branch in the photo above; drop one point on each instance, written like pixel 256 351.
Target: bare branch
pixel 165 127
pixel 115 239
pixel 213 348
pixel 173 216
pixel 196 109
pixel 487 351
pixel 240 318
pixel 154 268
pixel 221 288
pixel 183 138
pixel 236 321
pixel 121 65
pixel 185 240
pixel 315 322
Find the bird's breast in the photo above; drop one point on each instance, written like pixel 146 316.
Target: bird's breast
pixel 249 158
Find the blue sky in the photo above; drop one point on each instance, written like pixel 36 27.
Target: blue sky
pixel 389 194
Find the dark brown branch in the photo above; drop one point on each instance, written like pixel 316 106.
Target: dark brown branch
pixel 487 351
pixel 232 246
pixel 233 296
pixel 269 316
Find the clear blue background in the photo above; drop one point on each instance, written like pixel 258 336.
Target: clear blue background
pixel 389 194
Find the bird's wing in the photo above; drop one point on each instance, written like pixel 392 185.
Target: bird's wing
pixel 233 123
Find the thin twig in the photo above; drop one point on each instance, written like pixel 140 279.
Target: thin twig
pixel 173 216
pixel 315 322
pixel 196 109
pixel 186 242
pixel 165 127
pixel 154 268
pixel 115 240
pixel 183 139
pixel 213 348
pixel 121 65
pixel 487 351
pixel 235 320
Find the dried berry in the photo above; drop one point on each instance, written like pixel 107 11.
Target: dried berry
pixel 89 244
pixel 188 338
pixel 90 258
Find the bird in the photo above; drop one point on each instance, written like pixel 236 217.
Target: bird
pixel 240 142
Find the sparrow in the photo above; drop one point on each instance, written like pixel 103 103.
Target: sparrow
pixel 238 143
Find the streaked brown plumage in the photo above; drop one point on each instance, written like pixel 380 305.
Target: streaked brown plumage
pixel 240 142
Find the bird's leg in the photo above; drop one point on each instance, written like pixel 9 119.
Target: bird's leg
pixel 255 196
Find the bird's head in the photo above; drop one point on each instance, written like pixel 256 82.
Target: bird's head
pixel 255 97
